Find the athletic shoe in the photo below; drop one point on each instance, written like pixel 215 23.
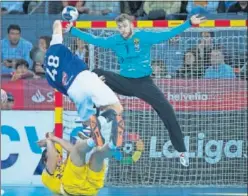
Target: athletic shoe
pixel 117 131
pixel 84 133
pixel 95 131
pixel 184 159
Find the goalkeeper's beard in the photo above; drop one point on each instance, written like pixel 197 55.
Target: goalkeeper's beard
pixel 128 35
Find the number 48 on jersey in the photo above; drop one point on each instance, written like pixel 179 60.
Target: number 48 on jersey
pixel 53 63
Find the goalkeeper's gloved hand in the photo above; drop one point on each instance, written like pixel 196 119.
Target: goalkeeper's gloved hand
pixel 68 27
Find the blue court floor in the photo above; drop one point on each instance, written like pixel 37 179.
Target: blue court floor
pixel 211 191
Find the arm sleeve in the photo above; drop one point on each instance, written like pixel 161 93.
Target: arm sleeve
pixel 108 42
pixel 157 37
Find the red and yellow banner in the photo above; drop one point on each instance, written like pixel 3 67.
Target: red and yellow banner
pixel 159 23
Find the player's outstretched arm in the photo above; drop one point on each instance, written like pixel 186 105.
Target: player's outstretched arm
pixel 157 37
pixel 57 27
pixel 65 144
pixel 51 163
pixel 108 42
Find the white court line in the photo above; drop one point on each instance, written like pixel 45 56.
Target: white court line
pixel 2 191
pixel 221 194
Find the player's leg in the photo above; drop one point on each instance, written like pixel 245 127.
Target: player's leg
pixel 85 91
pixel 97 158
pixel 151 94
pixel 86 111
pixel 116 82
pixel 93 173
pixel 79 151
pixel 103 96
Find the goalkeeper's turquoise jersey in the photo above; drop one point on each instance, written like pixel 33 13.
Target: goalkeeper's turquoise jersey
pixel 133 53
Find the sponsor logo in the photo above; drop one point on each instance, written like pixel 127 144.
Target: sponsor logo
pixel 212 150
pixel 198 96
pixel 64 78
pixel 136 44
pixel 132 149
pixel 38 97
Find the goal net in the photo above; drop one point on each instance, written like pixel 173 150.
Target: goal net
pixel 207 87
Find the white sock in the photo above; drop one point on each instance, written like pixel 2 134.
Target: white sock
pixel 111 145
pixel 91 143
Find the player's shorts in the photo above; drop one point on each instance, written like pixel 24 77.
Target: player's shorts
pixel 82 180
pixel 88 90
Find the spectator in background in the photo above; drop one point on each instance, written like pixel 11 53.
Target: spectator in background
pixel 22 71
pixel 228 4
pixel 10 102
pixel 4 98
pixel 80 5
pixel 106 8
pixel 44 43
pixel 204 48
pixel 56 7
pixel 14 47
pixel 7 100
pixel 162 9
pixel 243 73
pixel 173 54
pixel 239 7
pixel 201 7
pixel 218 68
pixel 191 68
pixel 11 7
pixel 37 55
pixel 159 69
pixel 132 8
pixel 81 50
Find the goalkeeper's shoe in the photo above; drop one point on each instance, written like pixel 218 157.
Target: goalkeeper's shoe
pixel 184 159
pixel 117 131
pixel 96 134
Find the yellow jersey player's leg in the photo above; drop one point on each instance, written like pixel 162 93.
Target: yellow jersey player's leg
pixel 76 176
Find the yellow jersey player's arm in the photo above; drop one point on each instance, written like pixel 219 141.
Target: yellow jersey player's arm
pixel 65 144
pixel 51 162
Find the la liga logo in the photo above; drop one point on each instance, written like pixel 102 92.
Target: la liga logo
pixel 132 149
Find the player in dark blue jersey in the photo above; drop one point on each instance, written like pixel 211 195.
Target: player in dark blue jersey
pixel 70 76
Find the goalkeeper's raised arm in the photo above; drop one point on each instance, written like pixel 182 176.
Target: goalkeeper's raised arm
pixel 157 37
pixel 108 42
pixel 125 28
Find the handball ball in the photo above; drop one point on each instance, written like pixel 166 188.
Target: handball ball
pixel 70 13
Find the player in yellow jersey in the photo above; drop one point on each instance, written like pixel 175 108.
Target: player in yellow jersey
pixel 75 176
